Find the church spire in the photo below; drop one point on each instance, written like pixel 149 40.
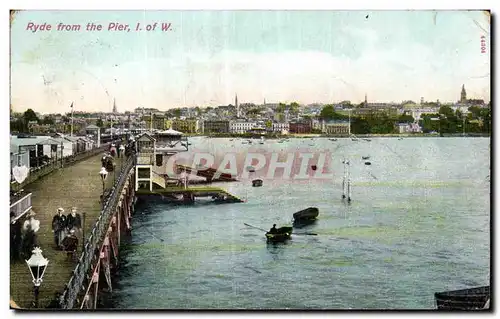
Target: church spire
pixel 463 94
pixel 237 105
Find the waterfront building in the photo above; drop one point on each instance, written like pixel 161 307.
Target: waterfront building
pixel 186 126
pixel 335 127
pixel 280 127
pixel 216 126
pixel 300 127
pixel 241 126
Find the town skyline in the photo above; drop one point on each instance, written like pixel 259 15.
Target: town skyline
pixel 277 56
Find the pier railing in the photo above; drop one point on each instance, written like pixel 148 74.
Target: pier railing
pixel 21 206
pixel 92 244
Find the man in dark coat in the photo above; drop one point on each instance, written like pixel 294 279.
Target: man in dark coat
pixel 30 228
pixel 59 227
pixel 15 237
pixel 273 230
pixel 74 221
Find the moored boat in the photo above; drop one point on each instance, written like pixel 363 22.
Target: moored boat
pixel 309 213
pixel 257 182
pixel 463 299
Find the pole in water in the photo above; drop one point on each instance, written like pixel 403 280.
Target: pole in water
pixel 343 179
pixel 348 186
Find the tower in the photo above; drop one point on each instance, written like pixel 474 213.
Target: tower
pixel 114 106
pixel 366 100
pixel 463 95
pixel 237 105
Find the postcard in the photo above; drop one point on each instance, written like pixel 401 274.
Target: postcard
pixel 250 160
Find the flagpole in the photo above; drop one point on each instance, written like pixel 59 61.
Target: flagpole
pixel 71 119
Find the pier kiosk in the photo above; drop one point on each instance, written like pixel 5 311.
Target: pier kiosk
pixel 153 153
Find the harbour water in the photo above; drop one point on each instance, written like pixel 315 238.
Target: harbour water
pixel 418 223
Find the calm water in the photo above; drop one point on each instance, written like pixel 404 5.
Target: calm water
pixel 419 223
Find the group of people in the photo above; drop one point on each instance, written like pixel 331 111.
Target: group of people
pixel 23 235
pixel 66 229
pixel 23 238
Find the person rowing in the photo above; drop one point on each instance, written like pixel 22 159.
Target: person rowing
pixel 273 230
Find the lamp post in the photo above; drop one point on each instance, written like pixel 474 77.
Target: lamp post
pixel 37 265
pixel 103 173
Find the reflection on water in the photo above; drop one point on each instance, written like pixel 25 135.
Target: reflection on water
pixel 418 223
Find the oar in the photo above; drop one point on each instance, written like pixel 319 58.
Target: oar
pixel 308 234
pixel 255 227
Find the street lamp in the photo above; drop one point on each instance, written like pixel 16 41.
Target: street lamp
pixel 37 265
pixel 103 173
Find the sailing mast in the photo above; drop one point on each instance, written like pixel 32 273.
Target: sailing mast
pixel 343 179
pixel 71 134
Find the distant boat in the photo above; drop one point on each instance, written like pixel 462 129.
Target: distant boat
pixel 464 299
pixel 257 182
pixel 365 157
pixel 333 139
pixel 306 214
pixel 399 139
pixel 244 142
pixel 282 234
pixel 354 139
pixel 368 163
pixel 230 140
pixel 367 139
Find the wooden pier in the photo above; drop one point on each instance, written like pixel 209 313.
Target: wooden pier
pixel 207 173
pixel 189 194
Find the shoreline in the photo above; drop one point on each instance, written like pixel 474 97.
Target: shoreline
pixel 359 136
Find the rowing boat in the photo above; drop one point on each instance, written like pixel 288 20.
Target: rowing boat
pixel 306 214
pixel 463 299
pixel 282 234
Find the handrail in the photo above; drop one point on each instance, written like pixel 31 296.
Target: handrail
pixel 88 255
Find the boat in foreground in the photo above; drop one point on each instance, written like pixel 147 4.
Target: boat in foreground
pixel 282 234
pixel 463 299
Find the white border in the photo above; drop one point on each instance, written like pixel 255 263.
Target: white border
pixel 195 5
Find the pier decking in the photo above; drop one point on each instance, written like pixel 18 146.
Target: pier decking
pixel 78 185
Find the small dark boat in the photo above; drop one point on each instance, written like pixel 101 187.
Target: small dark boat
pixel 365 157
pixel 368 163
pixel 306 214
pixel 282 234
pixel 464 299
pixel 257 183
pixel 251 169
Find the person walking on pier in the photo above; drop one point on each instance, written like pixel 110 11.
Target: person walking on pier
pixel 59 227
pixel 74 221
pixel 15 237
pixel 30 227
pixel 70 244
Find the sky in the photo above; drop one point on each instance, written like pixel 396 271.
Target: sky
pixel 207 57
